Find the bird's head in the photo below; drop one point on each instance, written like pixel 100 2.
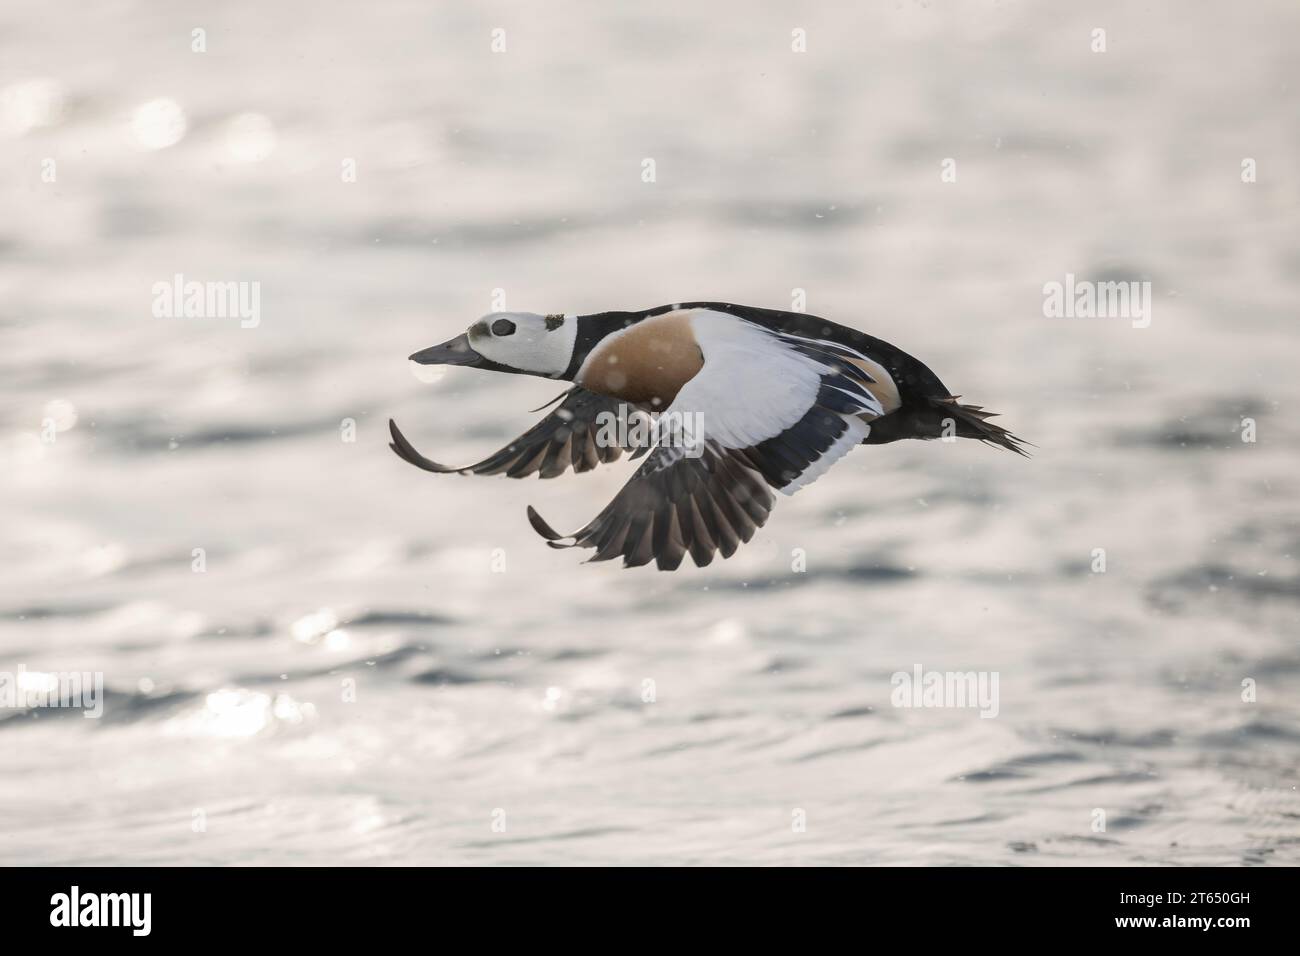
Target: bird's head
pixel 520 342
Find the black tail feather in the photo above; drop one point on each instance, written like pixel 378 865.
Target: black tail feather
pixel 972 421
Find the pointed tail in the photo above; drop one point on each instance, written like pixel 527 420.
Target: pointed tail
pixel 972 421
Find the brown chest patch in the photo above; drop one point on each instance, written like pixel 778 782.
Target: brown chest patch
pixel 647 363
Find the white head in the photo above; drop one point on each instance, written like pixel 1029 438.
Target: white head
pixel 540 344
pixel 511 341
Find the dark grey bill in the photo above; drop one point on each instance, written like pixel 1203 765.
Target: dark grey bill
pixel 455 352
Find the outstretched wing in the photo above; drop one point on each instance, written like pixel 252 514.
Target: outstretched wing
pixel 672 505
pixel 764 414
pixel 571 435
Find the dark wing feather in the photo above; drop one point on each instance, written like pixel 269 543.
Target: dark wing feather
pixel 565 438
pixel 785 457
pixel 673 506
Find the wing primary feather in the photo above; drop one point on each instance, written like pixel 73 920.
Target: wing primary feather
pixel 557 398
pixel 406 451
pixel 541 527
pixel 566 437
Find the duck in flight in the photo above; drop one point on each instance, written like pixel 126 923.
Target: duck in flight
pixel 772 400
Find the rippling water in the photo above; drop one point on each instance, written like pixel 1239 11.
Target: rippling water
pixel 351 678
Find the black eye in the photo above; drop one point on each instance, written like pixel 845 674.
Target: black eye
pixel 502 327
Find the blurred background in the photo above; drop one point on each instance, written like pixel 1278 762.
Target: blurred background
pixel 378 665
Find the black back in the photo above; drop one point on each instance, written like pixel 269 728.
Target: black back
pixel 915 381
